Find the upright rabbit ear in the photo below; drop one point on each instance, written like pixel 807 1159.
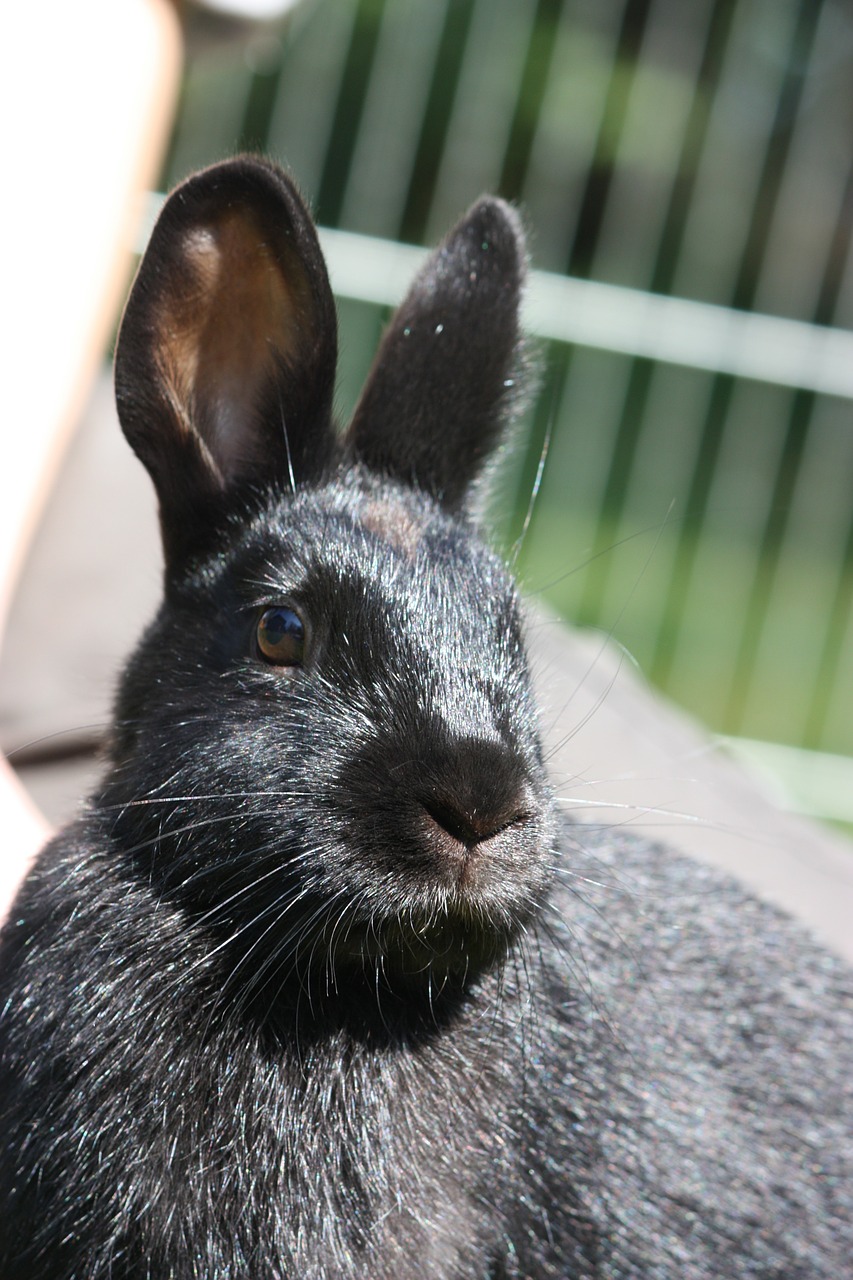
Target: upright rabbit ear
pixel 226 356
pixel 444 379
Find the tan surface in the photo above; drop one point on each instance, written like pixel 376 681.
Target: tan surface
pixel 623 755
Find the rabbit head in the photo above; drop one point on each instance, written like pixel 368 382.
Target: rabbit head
pixel 325 746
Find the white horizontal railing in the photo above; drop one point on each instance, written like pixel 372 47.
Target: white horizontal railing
pixel 613 318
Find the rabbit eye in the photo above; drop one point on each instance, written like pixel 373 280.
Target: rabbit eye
pixel 280 636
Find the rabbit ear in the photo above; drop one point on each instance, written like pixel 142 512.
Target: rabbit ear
pixel 226 356
pixel 444 379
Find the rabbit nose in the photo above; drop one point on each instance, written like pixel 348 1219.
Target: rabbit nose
pixel 470 826
pixel 470 795
pixel 462 812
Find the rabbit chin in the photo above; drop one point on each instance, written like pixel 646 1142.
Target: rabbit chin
pixel 443 918
pixel 437 951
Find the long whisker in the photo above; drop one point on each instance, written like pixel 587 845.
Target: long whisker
pixel 537 484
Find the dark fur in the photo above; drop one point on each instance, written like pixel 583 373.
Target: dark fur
pixel 318 986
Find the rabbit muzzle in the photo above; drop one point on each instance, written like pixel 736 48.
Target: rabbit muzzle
pixel 454 833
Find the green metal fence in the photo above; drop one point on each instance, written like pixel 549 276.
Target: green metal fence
pixel 697 506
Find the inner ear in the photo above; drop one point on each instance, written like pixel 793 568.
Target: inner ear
pixel 228 331
pixel 225 364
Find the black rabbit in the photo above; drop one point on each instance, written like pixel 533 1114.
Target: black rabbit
pixel 319 985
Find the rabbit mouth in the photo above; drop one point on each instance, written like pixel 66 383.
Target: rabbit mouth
pixel 419 948
pixel 456 891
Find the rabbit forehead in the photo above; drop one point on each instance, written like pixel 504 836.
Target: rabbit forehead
pixel 393 524
pixel 385 559
pixel 364 528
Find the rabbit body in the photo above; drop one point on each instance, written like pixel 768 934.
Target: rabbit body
pixel 319 985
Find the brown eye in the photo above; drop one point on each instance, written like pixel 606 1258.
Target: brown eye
pixel 280 636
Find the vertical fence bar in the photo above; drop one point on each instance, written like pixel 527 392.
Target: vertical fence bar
pixel 829 665
pixel 488 87
pixel 395 108
pixel 348 108
pixel 662 274
pixel 436 121
pixel 561 144
pixel 302 119
pixel 596 186
pixel 538 61
pixel 767 189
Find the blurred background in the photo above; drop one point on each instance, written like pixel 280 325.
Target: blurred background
pixel 703 516
pixel 683 480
